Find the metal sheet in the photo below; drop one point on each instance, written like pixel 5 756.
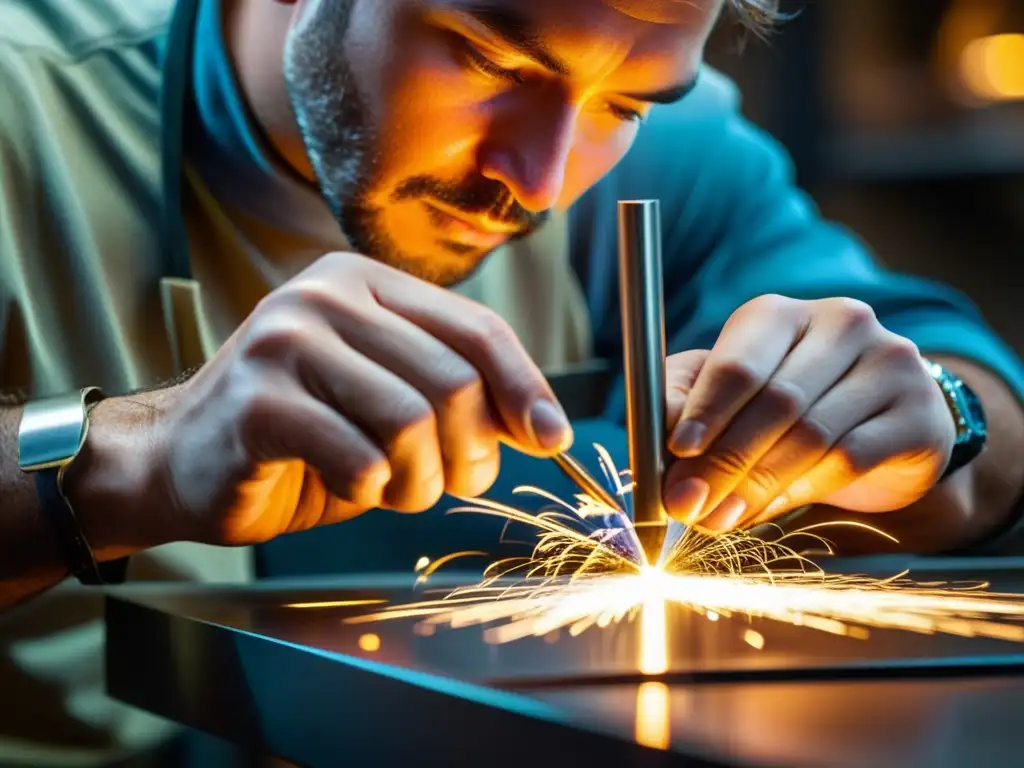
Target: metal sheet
pixel 241 664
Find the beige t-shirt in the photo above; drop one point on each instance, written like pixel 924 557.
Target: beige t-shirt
pixel 84 301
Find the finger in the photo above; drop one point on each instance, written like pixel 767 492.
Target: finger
pixel 681 371
pixel 521 395
pixel 279 420
pixel 394 411
pixel 750 349
pixel 860 452
pixel 466 427
pixel 815 392
pixel 854 401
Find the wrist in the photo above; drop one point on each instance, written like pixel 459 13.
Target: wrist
pixel 111 484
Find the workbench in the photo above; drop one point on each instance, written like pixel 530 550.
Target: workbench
pixel 304 685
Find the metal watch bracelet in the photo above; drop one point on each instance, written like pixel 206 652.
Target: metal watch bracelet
pixel 50 437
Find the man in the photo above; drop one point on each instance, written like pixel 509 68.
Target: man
pixel 373 226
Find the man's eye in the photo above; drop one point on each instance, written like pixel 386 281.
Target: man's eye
pixel 626 114
pixel 481 63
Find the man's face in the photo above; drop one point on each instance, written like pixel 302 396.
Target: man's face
pixel 440 129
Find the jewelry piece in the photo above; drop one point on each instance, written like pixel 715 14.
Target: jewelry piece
pixel 50 437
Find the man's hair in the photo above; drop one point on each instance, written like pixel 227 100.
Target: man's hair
pixel 759 16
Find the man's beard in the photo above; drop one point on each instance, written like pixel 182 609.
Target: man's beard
pixel 342 147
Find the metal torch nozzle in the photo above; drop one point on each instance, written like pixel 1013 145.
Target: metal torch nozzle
pixel 643 346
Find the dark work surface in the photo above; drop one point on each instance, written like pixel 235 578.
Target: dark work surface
pixel 295 683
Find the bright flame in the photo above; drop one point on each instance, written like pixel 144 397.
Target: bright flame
pixel 588 569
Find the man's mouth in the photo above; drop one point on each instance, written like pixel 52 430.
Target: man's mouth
pixel 467 229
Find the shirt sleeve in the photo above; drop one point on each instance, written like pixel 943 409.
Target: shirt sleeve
pixel 735 226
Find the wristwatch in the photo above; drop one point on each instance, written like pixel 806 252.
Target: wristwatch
pixel 968 414
pixel 50 436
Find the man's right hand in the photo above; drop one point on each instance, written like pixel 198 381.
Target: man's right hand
pixel 352 386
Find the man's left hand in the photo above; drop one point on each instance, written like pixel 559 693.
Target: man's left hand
pixel 801 402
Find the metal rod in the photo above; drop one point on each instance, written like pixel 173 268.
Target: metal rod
pixel 579 475
pixel 643 342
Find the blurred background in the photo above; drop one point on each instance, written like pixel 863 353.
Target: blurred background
pixel 905 120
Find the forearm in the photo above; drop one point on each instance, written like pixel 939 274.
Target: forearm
pixel 967 507
pixel 108 474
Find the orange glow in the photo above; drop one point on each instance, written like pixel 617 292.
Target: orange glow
pixel 335 604
pixel 992 68
pixel 753 639
pixel 369 643
pixel 653 637
pixel 653 724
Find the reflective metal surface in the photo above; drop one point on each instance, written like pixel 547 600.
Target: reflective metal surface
pixel 243 664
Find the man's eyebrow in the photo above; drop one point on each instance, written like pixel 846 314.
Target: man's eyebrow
pixel 517 31
pixel 669 95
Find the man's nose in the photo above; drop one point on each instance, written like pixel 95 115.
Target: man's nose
pixel 528 153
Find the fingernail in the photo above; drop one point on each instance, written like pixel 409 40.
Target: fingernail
pixel 685 500
pixel 727 515
pixel 549 427
pixel 688 439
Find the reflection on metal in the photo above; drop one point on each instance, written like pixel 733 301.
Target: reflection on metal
pixel 653 637
pixel 753 639
pixel 653 716
pixel 335 604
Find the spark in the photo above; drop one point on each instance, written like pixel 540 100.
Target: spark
pixel 335 604
pixel 588 570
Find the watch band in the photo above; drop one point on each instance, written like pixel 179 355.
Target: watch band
pixel 50 437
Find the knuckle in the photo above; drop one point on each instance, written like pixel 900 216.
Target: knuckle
pixel 275 335
pixel 900 351
pixel 737 375
pixel 459 383
pixel 410 417
pixel 340 261
pixel 772 303
pixel 488 330
pixel 730 461
pixel 853 314
pixel 784 399
pixel 763 480
pixel 814 435
pixel 858 456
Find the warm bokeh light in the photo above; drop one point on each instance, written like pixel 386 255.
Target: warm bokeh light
pixel 369 643
pixel 422 563
pixel 992 68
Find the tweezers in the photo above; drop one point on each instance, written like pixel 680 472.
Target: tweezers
pixel 585 481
